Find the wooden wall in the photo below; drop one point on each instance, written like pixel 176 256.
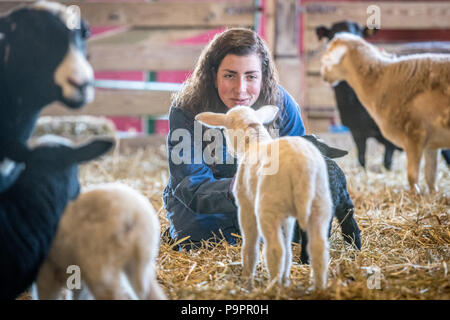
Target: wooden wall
pixel 401 22
pixel 168 36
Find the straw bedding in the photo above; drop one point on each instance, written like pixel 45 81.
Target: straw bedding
pixel 405 238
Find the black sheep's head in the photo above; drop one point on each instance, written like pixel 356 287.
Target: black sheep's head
pixel 45 54
pixel 344 26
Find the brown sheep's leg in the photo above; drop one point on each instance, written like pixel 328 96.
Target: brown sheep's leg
pixel 431 164
pixel 414 155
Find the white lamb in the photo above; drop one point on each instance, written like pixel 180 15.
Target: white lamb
pixel 269 200
pixel 111 232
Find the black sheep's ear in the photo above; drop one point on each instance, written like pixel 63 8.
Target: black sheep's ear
pixel 367 33
pixel 325 149
pixel 91 150
pixel 322 31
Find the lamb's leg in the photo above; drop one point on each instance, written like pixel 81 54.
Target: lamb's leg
pixel 318 241
pixel 288 228
pixel 414 155
pixel 274 245
pixel 249 230
pixel 48 284
pixel 108 283
pixel 431 165
pixel 142 277
pixel 156 292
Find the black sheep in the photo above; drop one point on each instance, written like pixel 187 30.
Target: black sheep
pixel 353 115
pixel 31 208
pixel 42 60
pixel 343 208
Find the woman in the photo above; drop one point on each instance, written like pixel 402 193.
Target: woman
pixel 234 69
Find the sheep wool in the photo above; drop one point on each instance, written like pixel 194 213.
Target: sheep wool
pixel 111 233
pixel 269 201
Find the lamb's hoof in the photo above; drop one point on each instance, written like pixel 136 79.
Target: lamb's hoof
pixel 415 189
pixel 248 284
pixel 433 190
pixel 286 282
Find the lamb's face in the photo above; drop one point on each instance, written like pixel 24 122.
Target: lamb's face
pixel 331 63
pixel 46 54
pixel 241 129
pixel 242 125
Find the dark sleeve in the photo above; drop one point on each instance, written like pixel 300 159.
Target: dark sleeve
pixel 192 181
pixel 291 123
pixel 8 179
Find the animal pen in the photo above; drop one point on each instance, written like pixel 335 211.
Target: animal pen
pixel 142 51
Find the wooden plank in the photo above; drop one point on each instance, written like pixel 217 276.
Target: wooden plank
pixel 119 103
pixel 269 15
pixel 286 28
pixel 394 14
pixel 318 125
pixel 144 57
pixel 147 49
pixel 290 72
pixel 138 142
pixel 159 14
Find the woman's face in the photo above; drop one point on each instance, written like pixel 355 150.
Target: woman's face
pixel 238 80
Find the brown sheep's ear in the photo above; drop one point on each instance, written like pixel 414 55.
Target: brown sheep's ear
pixel 322 31
pixel 367 33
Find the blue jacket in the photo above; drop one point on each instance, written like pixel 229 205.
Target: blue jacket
pixel 197 198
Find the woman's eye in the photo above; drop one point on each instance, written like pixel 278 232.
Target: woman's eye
pixel 228 76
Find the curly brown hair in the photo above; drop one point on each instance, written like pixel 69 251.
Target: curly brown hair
pixel 199 93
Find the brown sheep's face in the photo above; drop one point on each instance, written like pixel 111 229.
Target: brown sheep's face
pixel 331 63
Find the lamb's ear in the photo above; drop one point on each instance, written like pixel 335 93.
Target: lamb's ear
pixel 212 119
pixel 322 31
pixel 91 150
pixel 266 114
pixel 367 33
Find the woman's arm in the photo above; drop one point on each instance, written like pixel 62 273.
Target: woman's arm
pixel 193 183
pixel 291 123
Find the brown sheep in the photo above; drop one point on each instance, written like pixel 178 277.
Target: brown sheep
pixel 408 97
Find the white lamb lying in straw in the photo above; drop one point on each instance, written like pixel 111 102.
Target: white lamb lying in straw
pixel 408 97
pixel 111 232
pixel 270 200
